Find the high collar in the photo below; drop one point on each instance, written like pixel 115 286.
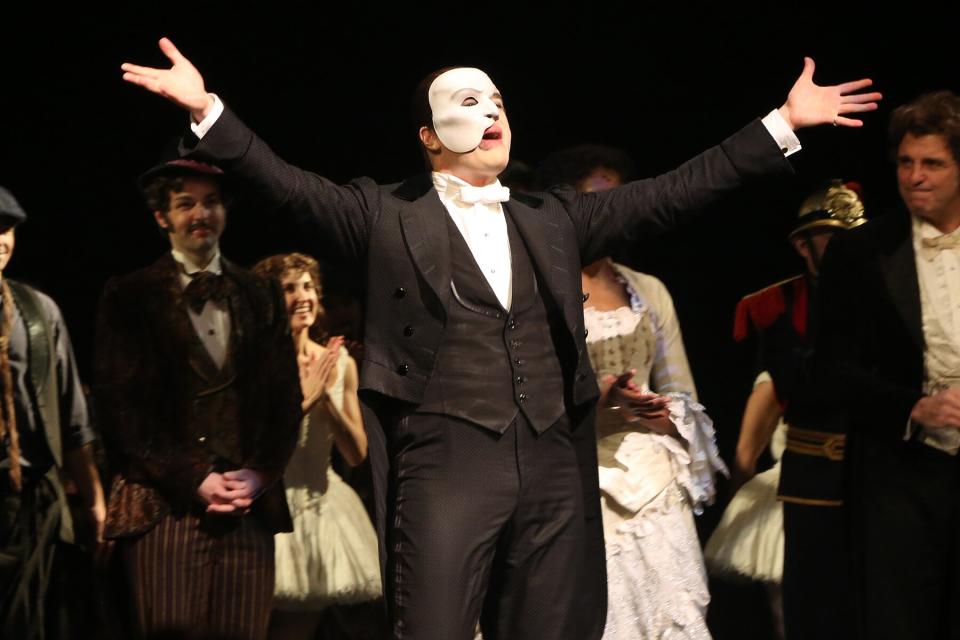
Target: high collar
pixel 189 267
pixel 923 229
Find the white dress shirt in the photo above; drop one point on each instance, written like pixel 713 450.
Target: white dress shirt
pixel 938 274
pixel 484 228
pixel 212 324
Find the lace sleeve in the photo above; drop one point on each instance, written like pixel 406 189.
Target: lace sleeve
pixel 701 462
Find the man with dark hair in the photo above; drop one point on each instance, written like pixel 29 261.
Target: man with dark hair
pixel 196 381
pixel 890 341
pixel 477 392
pixel 44 430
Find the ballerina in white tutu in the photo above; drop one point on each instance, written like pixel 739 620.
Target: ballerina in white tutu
pixel 748 541
pixel 331 556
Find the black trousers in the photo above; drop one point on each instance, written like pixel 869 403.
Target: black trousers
pixel 483 526
pixel 816 594
pixel 907 521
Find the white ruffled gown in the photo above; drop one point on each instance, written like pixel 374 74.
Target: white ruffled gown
pixel 331 556
pixel 652 484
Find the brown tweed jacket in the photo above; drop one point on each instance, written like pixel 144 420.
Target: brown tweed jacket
pixel 142 362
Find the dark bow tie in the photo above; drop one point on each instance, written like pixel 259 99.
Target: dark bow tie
pixel 204 286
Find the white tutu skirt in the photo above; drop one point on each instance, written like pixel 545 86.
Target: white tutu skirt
pixel 748 542
pixel 331 556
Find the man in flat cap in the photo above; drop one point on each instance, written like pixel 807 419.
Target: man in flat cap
pixel 44 430
pixel 196 377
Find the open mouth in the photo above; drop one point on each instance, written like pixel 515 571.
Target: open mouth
pixel 492 137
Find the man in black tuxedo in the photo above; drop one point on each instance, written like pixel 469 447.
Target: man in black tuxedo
pixel 890 338
pixel 476 387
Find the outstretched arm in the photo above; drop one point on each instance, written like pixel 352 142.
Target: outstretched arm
pixel 611 221
pixel 809 104
pixel 336 218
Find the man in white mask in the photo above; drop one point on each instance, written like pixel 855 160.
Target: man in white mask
pixel 476 388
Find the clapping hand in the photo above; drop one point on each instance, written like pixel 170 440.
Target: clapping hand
pixel 637 404
pixel 315 372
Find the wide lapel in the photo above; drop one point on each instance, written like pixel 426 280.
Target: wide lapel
pixel 899 268
pixel 425 233
pixel 181 327
pixel 543 237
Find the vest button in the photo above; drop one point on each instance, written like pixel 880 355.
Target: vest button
pixel 202 439
pixel 399 292
pixel 522 397
pixel 518 362
pixel 403 369
pixel 408 331
pixel 514 344
pixel 512 324
pixel 584 297
pixel 521 379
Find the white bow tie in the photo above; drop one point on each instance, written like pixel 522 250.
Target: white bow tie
pixel 930 247
pixel 489 194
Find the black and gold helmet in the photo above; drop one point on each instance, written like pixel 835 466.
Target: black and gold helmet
pixel 837 205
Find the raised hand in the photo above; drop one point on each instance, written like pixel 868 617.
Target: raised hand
pixel 809 104
pixel 181 84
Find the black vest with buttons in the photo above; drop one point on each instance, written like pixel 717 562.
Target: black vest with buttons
pixel 213 416
pixel 495 363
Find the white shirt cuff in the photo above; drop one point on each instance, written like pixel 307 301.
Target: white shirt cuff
pixel 910 430
pixel 784 136
pixel 200 128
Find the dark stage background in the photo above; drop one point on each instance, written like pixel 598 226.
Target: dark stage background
pixel 328 86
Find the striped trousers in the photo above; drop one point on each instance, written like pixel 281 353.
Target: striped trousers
pixel 201 577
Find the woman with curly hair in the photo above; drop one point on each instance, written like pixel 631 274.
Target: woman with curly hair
pixel 331 556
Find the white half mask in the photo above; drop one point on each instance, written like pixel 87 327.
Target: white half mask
pixel 460 127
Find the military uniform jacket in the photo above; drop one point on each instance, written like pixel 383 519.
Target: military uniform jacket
pixel 782 317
